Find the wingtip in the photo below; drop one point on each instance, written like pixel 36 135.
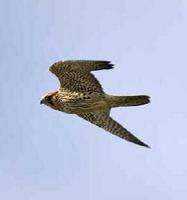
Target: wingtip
pixel 139 142
pixel 105 64
pixel 110 66
pixel 144 145
pixel 147 146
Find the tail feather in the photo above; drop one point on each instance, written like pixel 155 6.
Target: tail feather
pixel 118 101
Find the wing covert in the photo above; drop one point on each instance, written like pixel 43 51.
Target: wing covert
pixel 75 76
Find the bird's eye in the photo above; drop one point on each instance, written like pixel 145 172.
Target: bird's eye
pixel 49 98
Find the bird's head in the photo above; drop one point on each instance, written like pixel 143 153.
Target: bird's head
pixel 49 99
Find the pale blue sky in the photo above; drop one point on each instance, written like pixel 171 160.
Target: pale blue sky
pixel 45 154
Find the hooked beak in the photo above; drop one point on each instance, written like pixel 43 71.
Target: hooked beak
pixel 41 101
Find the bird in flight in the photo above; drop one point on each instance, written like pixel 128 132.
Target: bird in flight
pixel 81 93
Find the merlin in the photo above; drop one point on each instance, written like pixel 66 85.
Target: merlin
pixel 81 93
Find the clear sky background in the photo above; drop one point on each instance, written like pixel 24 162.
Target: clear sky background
pixel 45 154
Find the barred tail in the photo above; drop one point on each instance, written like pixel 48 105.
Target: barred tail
pixel 117 101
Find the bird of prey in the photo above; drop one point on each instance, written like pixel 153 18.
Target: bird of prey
pixel 81 93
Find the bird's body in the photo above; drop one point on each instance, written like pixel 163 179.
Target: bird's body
pixel 77 103
pixel 81 93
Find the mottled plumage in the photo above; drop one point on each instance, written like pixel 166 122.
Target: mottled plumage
pixel 81 93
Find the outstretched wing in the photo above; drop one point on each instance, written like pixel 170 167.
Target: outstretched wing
pixel 75 75
pixel 82 65
pixel 103 120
